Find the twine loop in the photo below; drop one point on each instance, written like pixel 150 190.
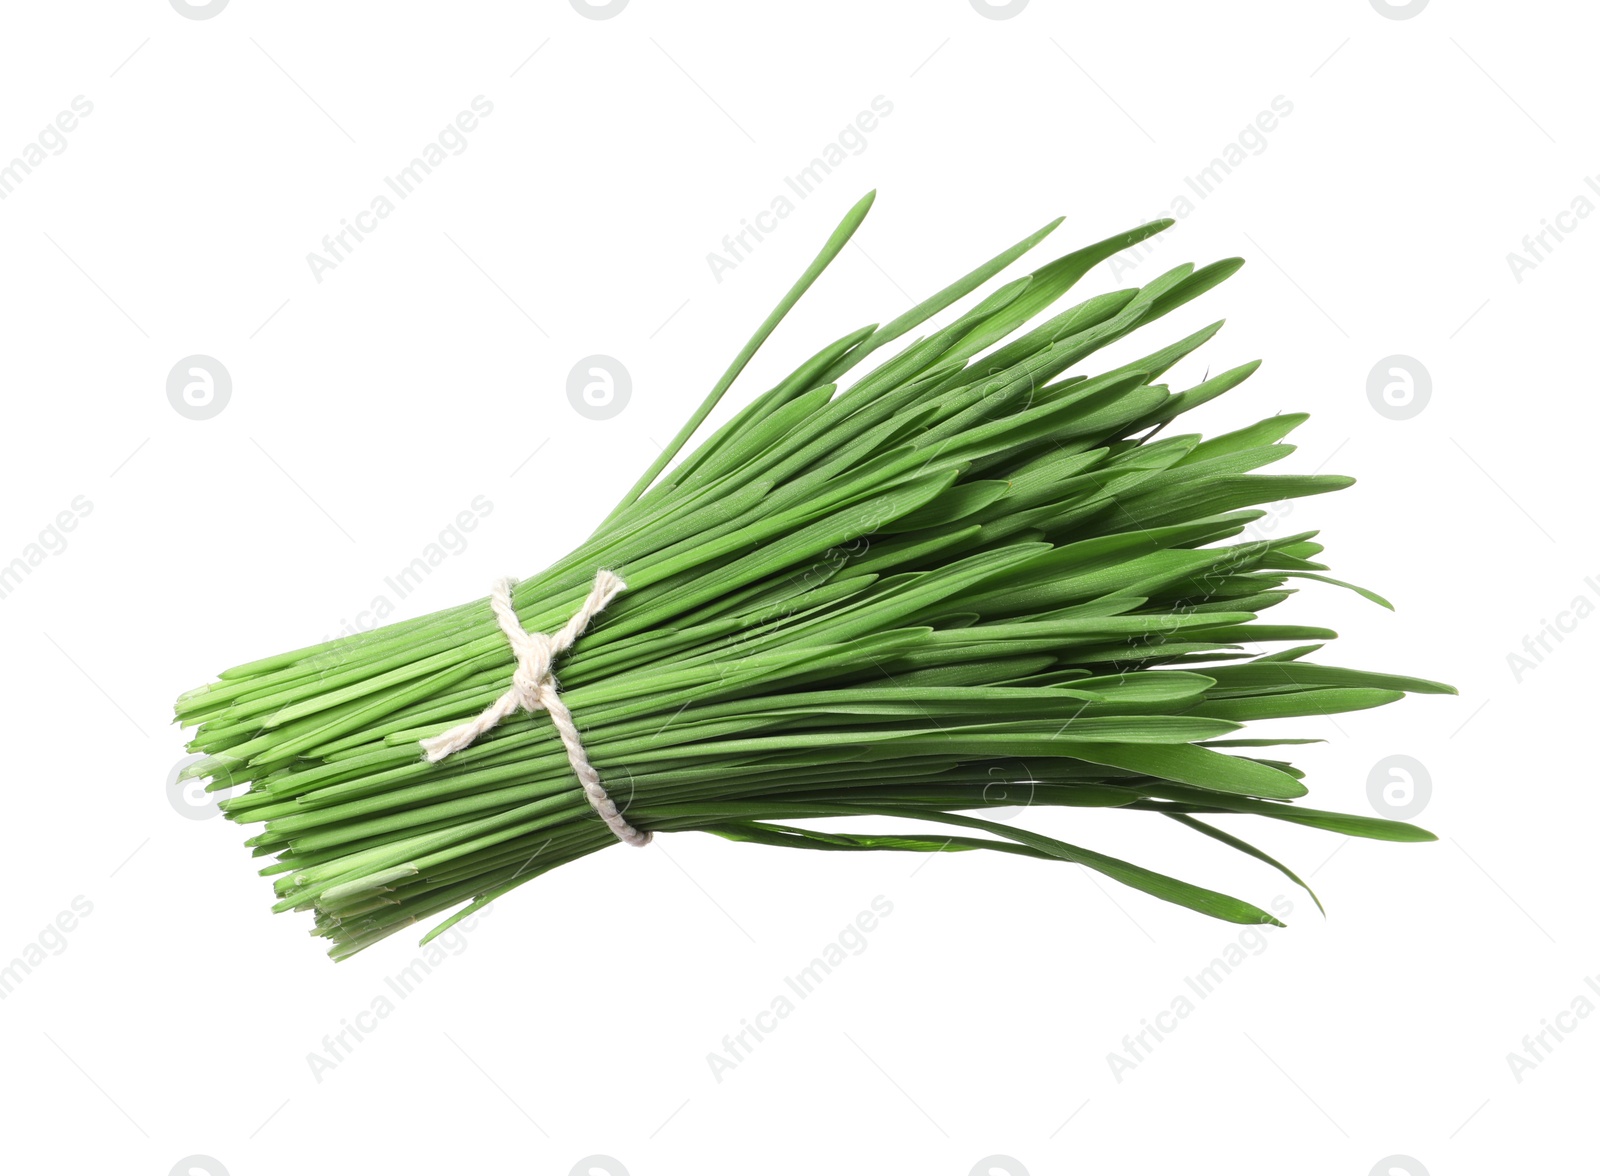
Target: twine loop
pixel 534 688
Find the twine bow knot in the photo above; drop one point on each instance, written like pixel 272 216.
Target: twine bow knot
pixel 534 688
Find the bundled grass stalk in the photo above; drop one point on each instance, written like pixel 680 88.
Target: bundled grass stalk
pixel 977 574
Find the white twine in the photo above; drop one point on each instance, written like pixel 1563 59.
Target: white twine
pixel 533 688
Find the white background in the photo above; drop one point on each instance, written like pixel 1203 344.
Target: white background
pixel 372 406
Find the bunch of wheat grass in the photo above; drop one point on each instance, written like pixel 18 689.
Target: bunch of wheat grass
pixel 972 576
